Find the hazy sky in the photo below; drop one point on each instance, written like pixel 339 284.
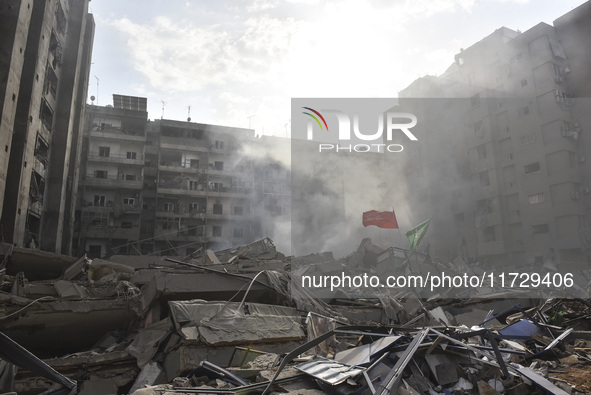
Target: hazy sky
pixel 238 63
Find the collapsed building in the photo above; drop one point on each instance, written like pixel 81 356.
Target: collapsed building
pixel 239 320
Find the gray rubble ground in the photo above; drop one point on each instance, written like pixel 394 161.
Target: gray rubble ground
pixel 124 323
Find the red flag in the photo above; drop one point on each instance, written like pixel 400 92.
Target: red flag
pixel 381 219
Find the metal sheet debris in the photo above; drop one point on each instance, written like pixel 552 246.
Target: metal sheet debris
pixel 196 325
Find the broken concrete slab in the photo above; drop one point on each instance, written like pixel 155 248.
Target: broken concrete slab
pixel 150 374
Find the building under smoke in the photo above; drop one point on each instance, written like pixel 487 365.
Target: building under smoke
pixel 174 187
pixel 503 166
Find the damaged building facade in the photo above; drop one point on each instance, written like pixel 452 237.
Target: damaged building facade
pixel 506 151
pixel 172 187
pixel 45 62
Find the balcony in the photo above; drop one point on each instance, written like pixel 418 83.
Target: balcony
pixel 112 182
pixel 213 191
pixel 179 167
pixel 121 159
pixel 111 232
pixel 114 133
pixel 184 144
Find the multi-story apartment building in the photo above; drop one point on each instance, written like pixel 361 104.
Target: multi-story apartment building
pixel 502 158
pixel 204 187
pixel 111 176
pixel 45 51
pixel 170 187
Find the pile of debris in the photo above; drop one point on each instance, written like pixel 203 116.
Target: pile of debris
pixel 238 321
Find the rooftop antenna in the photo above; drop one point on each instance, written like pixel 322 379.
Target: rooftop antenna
pixel 163 103
pixel 249 120
pixel 189 114
pixel 97 89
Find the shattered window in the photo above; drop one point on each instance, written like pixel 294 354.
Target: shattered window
pixel 217 208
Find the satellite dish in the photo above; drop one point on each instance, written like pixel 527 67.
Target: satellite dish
pixel 189 119
pixel 92 99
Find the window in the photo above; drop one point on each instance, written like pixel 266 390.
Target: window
pixel 237 232
pixel 488 234
pixel 168 206
pixel 195 163
pixel 130 177
pixel 218 165
pixel 219 144
pixel 238 210
pixel 126 225
pixel 484 179
pixel 217 231
pixel 540 229
pixel 484 206
pixel 536 198
pixel 478 129
pixel 131 155
pixel 194 207
pixel 195 230
pixel 532 168
pixel 129 201
pixel 100 222
pixel 524 82
pixel 523 111
pixel 217 208
pixel 100 174
pixel 481 152
pixel 216 186
pixel 99 200
pixel 104 151
pixel 94 251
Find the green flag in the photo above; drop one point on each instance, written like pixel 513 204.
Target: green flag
pixel 416 234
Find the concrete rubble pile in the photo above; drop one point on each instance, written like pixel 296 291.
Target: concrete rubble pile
pixel 239 321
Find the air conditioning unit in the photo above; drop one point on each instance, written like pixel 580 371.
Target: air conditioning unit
pixel 574 195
